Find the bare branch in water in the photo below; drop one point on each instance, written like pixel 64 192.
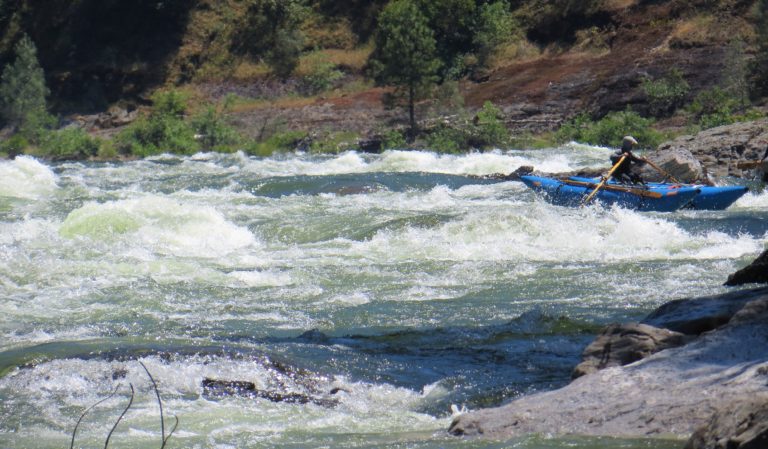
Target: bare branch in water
pixel 72 445
pixel 106 443
pixel 160 403
pixel 171 432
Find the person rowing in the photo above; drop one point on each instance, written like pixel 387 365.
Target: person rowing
pixel 624 172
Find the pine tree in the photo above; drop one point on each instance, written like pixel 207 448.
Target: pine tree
pixel 405 55
pixel 22 86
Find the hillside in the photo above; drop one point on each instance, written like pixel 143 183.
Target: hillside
pixel 562 58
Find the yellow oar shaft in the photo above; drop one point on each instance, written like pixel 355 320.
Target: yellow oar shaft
pixel 662 171
pixel 603 181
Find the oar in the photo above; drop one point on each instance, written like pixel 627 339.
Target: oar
pixel 603 181
pixel 662 171
pixel 748 164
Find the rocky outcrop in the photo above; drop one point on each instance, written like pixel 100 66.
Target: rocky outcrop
pixel 756 272
pixel 723 149
pixel 672 392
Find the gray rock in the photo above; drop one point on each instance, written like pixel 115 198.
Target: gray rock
pixel 678 162
pixel 694 316
pixel 622 344
pixel 672 392
pixel 742 425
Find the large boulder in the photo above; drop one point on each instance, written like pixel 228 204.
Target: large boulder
pixel 678 162
pixel 622 344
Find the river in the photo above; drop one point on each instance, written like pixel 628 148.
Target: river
pixel 365 299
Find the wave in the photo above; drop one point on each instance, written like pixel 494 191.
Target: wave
pixel 26 178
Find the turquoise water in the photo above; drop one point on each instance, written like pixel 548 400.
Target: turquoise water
pixel 384 293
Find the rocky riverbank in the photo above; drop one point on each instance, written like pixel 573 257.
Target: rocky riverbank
pixel 695 368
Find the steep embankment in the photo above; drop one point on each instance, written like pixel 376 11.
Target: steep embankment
pixel 587 58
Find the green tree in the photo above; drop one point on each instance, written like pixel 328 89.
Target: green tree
pixel 493 28
pixel 271 32
pixel 22 86
pixel 759 68
pixel 405 54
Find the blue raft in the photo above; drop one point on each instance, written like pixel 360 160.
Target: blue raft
pixel 709 197
pixel 571 192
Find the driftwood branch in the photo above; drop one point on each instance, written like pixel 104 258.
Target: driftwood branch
pixel 72 444
pixel 160 404
pixel 109 435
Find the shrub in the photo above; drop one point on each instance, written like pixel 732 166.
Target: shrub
pixel 287 141
pixel 393 138
pixel 489 129
pixel 212 131
pixel 321 75
pixel 667 94
pixel 335 142
pixel 446 139
pixel 610 130
pixel 163 130
pixel 14 146
pixel 69 143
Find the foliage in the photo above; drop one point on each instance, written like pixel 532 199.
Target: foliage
pixel 69 143
pixel 717 107
pixel 405 54
pixel 666 94
pixel 446 139
pixel 393 138
pixel 610 130
pixel 322 75
pixel 493 28
pixel 758 70
pixel 735 73
pixel 213 132
pixel 14 145
pixel 163 130
pixel 22 86
pixel 489 129
pixel 287 141
pixel 272 32
pixel 335 142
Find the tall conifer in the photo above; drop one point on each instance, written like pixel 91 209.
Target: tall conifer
pixel 405 55
pixel 22 86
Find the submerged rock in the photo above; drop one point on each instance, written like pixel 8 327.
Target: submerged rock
pixel 756 272
pixel 214 388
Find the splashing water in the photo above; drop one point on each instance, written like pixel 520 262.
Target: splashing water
pixel 379 294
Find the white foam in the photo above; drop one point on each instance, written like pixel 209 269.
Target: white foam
pixel 164 225
pixel 27 178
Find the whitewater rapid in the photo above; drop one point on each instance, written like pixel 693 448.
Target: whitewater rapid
pixel 211 265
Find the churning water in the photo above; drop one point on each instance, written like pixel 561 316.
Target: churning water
pixel 357 300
